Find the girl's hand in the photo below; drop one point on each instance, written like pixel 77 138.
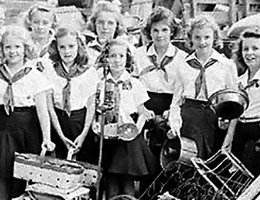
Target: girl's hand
pixel 172 134
pixel 166 114
pixel 226 146
pixel 78 142
pixel 223 123
pixel 68 143
pixel 48 145
pixel 149 114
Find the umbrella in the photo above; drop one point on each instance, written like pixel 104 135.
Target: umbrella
pixel 239 26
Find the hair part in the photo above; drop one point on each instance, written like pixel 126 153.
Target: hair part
pixel 82 56
pixel 104 56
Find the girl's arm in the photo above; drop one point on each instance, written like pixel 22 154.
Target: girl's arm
pixel 44 119
pixel 55 122
pixel 88 121
pixel 143 115
pixel 227 144
pixel 175 120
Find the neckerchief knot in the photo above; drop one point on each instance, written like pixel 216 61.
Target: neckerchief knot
pixel 200 81
pixel 75 71
pixel 9 95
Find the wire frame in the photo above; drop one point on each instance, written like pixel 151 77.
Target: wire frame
pixel 182 181
pixel 225 173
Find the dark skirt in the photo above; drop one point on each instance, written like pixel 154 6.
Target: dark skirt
pixel 243 147
pixel 157 129
pixel 199 124
pixel 72 126
pixel 132 158
pixel 158 102
pixel 19 132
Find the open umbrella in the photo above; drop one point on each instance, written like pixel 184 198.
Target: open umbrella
pixel 239 26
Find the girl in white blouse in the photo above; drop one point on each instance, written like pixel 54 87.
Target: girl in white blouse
pixel 243 136
pixel 202 73
pixel 124 160
pixel 24 119
pixel 156 68
pixel 106 23
pixel 74 83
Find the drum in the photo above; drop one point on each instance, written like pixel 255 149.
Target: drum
pixel 178 148
pixel 229 103
pixel 225 173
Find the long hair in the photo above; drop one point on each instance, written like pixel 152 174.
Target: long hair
pixel 103 57
pixel 82 56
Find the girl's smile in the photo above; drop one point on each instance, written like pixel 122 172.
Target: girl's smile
pixel 117 60
pixel 13 49
pixel 161 34
pixel 251 52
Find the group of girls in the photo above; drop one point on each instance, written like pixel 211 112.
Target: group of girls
pixel 49 81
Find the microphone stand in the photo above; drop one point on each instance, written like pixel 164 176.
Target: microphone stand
pixel 103 108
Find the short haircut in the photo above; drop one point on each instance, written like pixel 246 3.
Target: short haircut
pixel 41 8
pixel 253 32
pixel 106 6
pixel 22 34
pixel 202 21
pixel 160 14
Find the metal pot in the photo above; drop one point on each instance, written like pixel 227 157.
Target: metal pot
pixel 229 103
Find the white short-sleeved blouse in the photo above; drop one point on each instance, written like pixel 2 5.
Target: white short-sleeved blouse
pixel 26 88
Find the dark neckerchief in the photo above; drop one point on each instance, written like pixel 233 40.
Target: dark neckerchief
pixel 153 58
pixel 9 96
pixel 201 80
pixel 74 71
pixel 251 83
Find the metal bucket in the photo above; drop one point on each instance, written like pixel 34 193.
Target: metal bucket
pixel 229 103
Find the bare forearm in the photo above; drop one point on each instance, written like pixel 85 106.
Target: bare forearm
pixel 43 115
pixel 53 115
pixel 231 131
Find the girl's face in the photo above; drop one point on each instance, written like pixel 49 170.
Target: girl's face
pixel 68 49
pixel 41 23
pixel 117 59
pixel 13 50
pixel 251 52
pixel 106 25
pixel 161 34
pixel 202 39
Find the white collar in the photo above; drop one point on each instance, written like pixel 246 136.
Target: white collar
pixel 170 52
pixel 124 76
pixel 215 55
